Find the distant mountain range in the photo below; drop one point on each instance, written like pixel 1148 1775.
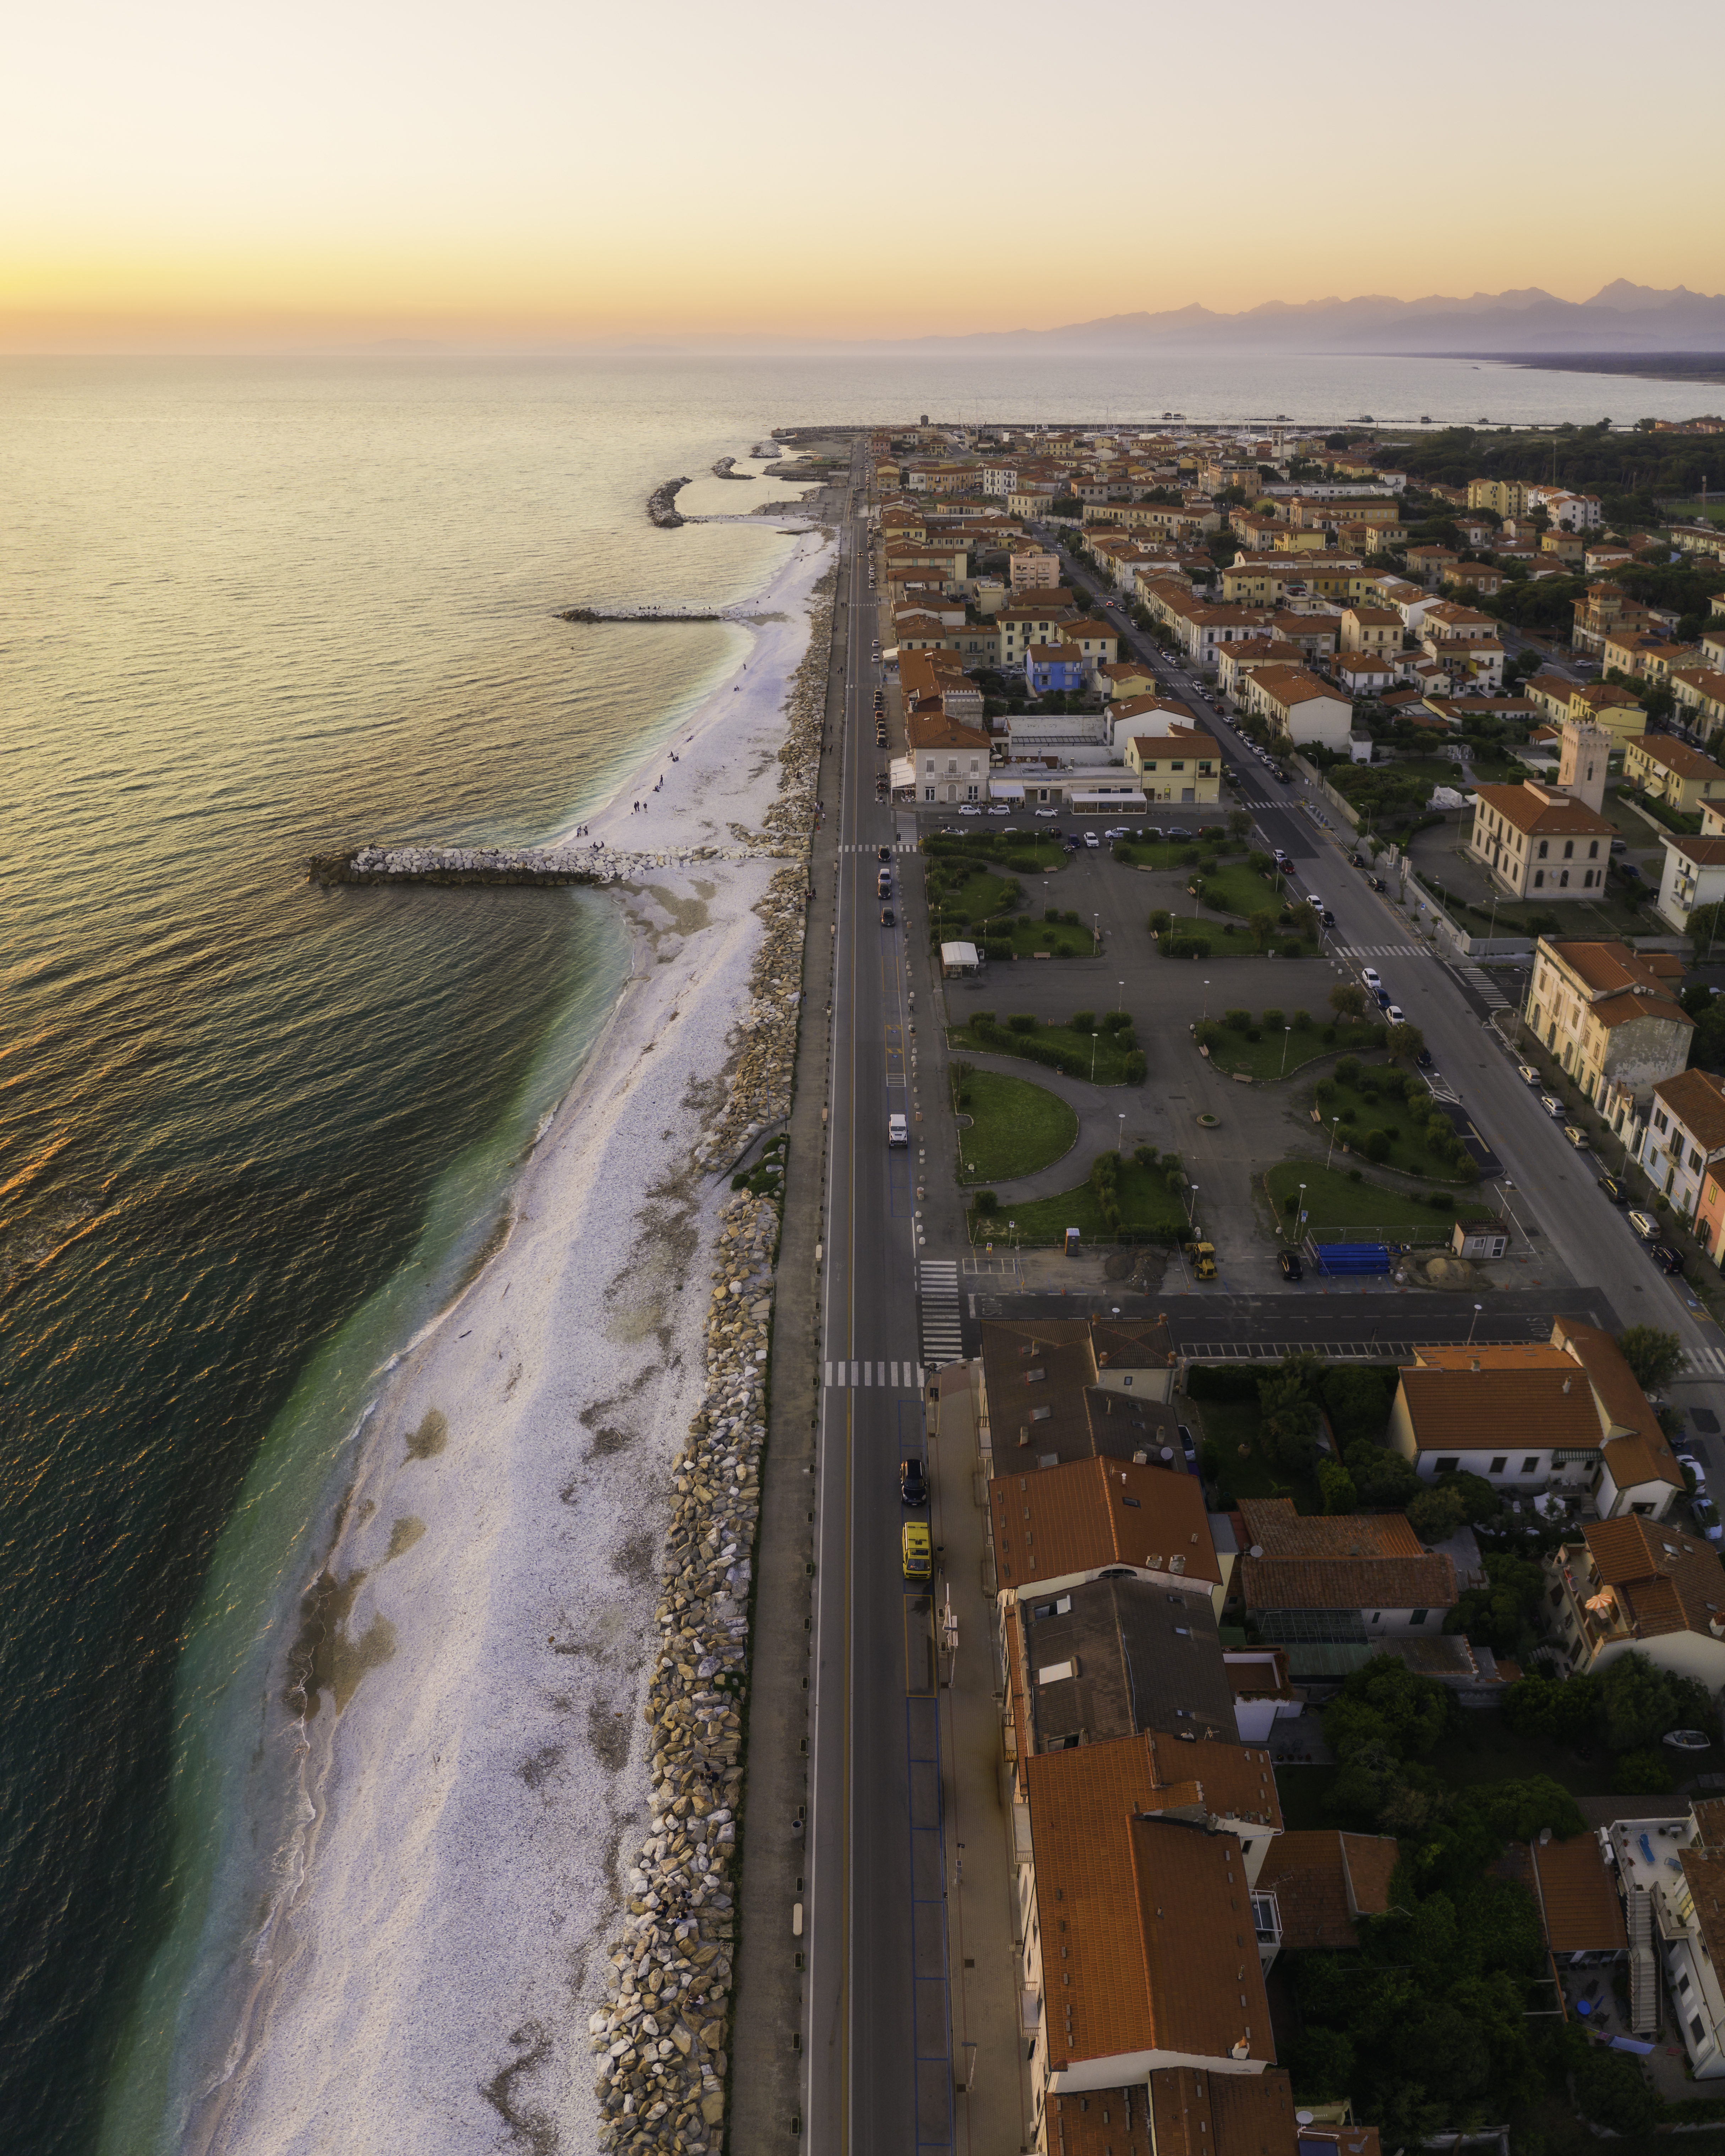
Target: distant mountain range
pixel 1621 317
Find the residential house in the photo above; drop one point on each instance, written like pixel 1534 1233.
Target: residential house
pixel 1685 1136
pixel 1700 694
pixel 1355 1580
pixel 1098 644
pixel 1325 1880
pixel 1235 661
pixel 1299 705
pixel 950 759
pixel 1669 770
pixel 1126 677
pixel 1564 1414
pixel 1031 569
pixel 1464 640
pixel 1609 1015
pixel 1610 704
pixel 1364 677
pixel 1057 1526
pixel 1373 631
pixel 1643 1584
pixel 1564 546
pixel 1181 766
pixel 1581 1912
pixel 1475 576
pixel 1536 837
pixel 1569 512
pixel 1054 669
pixel 1264 1693
pixel 1503 497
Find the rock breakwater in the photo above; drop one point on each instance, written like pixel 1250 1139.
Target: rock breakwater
pixel 662 504
pixel 591 862
pixel 722 469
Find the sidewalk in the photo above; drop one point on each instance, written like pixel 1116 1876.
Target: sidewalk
pixel 767 2076
pixel 991 2100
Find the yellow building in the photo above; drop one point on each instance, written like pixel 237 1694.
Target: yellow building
pixel 1180 765
pixel 1668 770
pixel 1607 705
pixel 1507 497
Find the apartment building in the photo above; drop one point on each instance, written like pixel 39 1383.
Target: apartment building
pixel 1669 770
pixel 1563 1415
pixel 1700 694
pixel 949 759
pixel 1639 1583
pixel 1354 1580
pixel 1685 1136
pixel 1373 632
pixel 1610 1015
pixel 1297 704
pixel 1693 875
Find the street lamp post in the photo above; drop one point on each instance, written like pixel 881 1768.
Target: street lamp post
pixel 1206 1000
pixel 1121 1006
pixel 1093 1039
pixel 1121 1120
pixel 1474 1321
pixel 1095 931
pixel 1335 1125
pixel 1288 1034
pixel 1300 1212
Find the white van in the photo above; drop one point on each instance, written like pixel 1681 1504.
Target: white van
pixel 898 1130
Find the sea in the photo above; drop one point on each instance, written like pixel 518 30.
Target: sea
pixel 254 1134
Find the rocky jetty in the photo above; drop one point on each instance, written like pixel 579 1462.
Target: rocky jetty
pixel 661 2041
pixel 722 471
pixel 589 862
pixel 798 468
pixel 765 450
pixel 651 614
pixel 662 504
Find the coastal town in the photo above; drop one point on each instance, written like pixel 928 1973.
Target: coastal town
pixel 1293 1508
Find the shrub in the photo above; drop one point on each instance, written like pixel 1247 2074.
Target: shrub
pixel 985 1201
pixel 1237 1020
pixel 1612 2091
pixel 1291 1203
pixel 997 949
pixel 1378 1145
pixel 1302 1021
pixel 1083 1022
pixel 1434 1515
pixel 1022 1022
pixel 1159 920
pixel 1137 1067
pixel 1641 1774
pixel 1347 1071
pixel 1255 1033
pixel 1291 947
pixel 981 1019
pixel 1329 1036
pixel 1355 1176
pixel 1116 1021
pixel 1186 946
pixel 1271 1020
pixel 1336 1484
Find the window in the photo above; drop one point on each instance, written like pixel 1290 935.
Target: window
pixel 1542 850
pixel 1530 1463
pixel 1593 851
pixel 1538 874
pixel 1697 2027
pixel 1660 1124
pixel 1498 1464
pixel 1449 1467
pixel 1416 1616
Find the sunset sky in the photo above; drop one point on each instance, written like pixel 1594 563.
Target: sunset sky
pixel 194 176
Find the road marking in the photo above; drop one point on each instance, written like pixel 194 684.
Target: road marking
pixel 902 1377
pixel 937 1297
pixel 1385 951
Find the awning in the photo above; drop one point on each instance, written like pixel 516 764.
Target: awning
pixel 902 772
pixel 1128 805
pixel 891 657
pixel 1005 789
pixel 954 955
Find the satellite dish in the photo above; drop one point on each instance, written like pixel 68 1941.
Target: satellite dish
pixel 1256 1550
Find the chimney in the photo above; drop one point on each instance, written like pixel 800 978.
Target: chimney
pixel 1476 1364
pixel 1566 1387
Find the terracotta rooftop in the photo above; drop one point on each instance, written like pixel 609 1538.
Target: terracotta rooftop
pixel 1148 1943
pixel 1525 1410
pixel 1322 1878
pixel 1579 1902
pixel 1663 1580
pixel 1696 1100
pixel 1272 1526
pixel 1671 754
pixel 1342 1583
pixel 1528 808
pixel 1216 2114
pixel 1052 1523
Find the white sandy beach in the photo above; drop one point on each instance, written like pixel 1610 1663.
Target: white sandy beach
pixel 478 1751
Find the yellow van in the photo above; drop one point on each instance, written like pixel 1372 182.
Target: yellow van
pixel 918 1551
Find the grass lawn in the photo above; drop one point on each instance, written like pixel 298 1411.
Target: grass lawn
pixel 1232 1424
pixel 1237 889
pixel 1169 855
pixel 1404 1126
pixel 1107 1065
pixel 1334 1202
pixel 1029 855
pixel 1146 1204
pixel 1228 939
pixel 1231 1051
pixel 1016 1128
pixel 983 907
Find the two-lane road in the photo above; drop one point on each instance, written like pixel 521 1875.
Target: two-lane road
pixel 877 2033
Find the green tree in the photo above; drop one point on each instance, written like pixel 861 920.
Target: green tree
pixel 1638 1702
pixel 1323 2066
pixel 1239 822
pixel 1287 1398
pixel 1612 2091
pixel 1348 1000
pixel 1410 1710
pixel 1435 1514
pixel 1382 1477
pixel 1641 1774
pixel 1405 1042
pixel 1654 1357
pixel 1336 1484
pixel 1500 1614
pixel 1262 924
pixel 1357 1400
pixel 1560 1712
pixel 1518 1811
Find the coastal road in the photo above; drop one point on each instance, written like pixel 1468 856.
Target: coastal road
pixel 877 2034
pixel 1544 1184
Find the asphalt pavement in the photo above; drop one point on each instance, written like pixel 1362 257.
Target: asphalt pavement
pixel 879 2035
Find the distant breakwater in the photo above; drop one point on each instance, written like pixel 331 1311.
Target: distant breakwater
pixel 722 469
pixel 662 504
pixel 589 862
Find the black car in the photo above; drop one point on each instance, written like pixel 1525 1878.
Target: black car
pixel 1665 1257
pixel 888 919
pixel 1424 1059
pixel 1188 1445
pixel 885 852
pixel 1376 882
pixel 1328 918
pixel 1290 1265
pixel 912 1482
pixel 1612 1189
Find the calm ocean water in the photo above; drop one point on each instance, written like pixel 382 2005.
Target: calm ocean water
pixel 251 1134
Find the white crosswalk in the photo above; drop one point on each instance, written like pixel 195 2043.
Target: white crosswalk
pixel 891 1376
pixel 1484 988
pixel 899 846
pixel 1385 951
pixel 1710 1359
pixel 938 1289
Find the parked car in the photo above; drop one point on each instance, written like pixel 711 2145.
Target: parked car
pixel 1048 813
pixel 1527 1075
pixel 1314 901
pixel 1422 1056
pixel 1370 976
pixel 1382 997
pixel 1290 1265
pixel 1665 1257
pixel 1376 882
pixel 1187 1444
pixel 1092 841
pixel 1119 831
pixel 1577 1138
pixel 1646 1226
pixel 1000 812
pixel 1552 1105
pixel 969 809
pixel 1395 1014
pixel 1175 831
pixel 1612 1189
pixel 912 1482
pixel 1328 918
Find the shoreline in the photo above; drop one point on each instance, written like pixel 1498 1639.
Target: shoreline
pixel 525 1467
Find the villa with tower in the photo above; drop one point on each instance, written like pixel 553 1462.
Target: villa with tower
pixel 1544 839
